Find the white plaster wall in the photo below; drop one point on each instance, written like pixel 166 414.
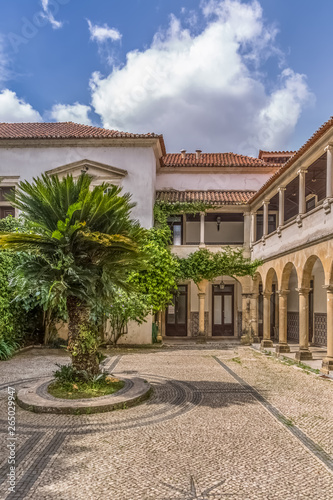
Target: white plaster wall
pixel 139 162
pixel 230 232
pixel 185 251
pixel 192 232
pixel 203 181
pixel 315 224
pixel 319 293
pixel 138 334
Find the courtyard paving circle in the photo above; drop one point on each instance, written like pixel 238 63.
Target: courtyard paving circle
pixel 223 421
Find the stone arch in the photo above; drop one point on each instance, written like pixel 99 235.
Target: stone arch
pixel 289 285
pixel 287 270
pixel 270 277
pixel 307 270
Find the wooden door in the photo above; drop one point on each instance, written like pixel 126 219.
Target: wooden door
pixel 223 311
pixel 176 314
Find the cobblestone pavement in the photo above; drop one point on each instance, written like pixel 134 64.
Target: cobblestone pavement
pixel 222 423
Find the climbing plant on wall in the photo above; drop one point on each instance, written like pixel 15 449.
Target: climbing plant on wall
pixel 206 265
pixel 165 209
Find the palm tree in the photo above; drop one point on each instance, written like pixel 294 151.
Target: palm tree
pixel 82 244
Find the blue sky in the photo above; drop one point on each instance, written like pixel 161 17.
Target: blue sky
pixel 219 75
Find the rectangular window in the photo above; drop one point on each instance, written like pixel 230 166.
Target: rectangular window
pixel 4 191
pixel 311 202
pixel 176 225
pixel 5 211
pixel 260 224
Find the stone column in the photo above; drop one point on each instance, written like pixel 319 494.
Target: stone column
pixel 281 206
pixel 303 352
pixel 265 228
pixel 266 342
pixel 283 306
pixel 202 230
pixel 159 324
pixel 329 171
pixel 254 317
pixel 301 202
pixel 202 286
pixel 327 365
pixel 253 227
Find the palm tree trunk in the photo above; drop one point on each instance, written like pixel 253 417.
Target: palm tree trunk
pixel 78 319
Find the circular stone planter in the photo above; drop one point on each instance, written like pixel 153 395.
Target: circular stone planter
pixel 38 400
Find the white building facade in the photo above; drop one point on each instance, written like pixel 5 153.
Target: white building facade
pixel 277 207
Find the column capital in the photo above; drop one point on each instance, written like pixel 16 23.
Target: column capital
pixel 283 293
pixel 267 295
pixel 302 170
pixel 266 201
pixel 202 213
pixel 328 288
pixel 329 147
pixel 281 189
pixel 303 290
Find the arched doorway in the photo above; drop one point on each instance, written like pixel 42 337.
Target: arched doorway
pixel 271 289
pixel 312 307
pixel 257 309
pixel 270 309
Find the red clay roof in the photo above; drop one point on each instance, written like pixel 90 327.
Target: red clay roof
pixel 326 126
pixel 66 130
pixel 211 197
pixel 276 157
pixel 211 160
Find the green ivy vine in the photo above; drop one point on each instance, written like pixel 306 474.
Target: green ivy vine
pixel 165 209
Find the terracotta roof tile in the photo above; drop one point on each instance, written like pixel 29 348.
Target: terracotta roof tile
pixel 62 130
pixel 211 160
pixel 211 197
pixel 326 126
pixel 276 157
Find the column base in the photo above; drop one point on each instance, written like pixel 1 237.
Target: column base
pixel 256 340
pixel 201 339
pixel 282 348
pixel 266 343
pixel 327 366
pixel 303 354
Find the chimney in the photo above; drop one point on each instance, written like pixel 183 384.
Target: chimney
pixel 183 153
pixel 198 154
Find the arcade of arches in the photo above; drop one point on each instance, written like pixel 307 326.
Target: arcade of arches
pixel 292 301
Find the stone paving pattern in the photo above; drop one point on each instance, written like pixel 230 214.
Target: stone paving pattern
pixel 202 435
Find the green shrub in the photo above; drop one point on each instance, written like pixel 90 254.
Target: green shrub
pixel 7 348
pixel 17 322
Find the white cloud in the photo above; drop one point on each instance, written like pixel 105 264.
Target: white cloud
pixel 206 89
pixel 101 34
pixel 48 6
pixel 77 113
pixel 14 109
